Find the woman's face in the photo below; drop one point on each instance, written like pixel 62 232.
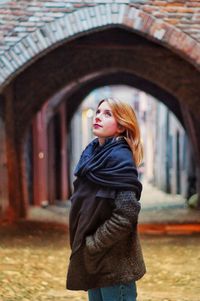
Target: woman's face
pixel 104 123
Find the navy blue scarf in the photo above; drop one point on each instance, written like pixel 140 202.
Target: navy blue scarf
pixel 110 165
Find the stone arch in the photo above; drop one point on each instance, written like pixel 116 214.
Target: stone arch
pixel 24 98
pixel 88 19
pixel 41 81
pixel 74 95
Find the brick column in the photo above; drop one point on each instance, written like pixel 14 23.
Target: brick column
pixel 4 202
pixel 194 137
pixel 51 162
pixel 17 184
pixel 63 152
pixel 39 158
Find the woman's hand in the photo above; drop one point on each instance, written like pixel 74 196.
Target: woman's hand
pixel 120 224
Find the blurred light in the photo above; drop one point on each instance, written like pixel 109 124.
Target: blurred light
pixel 90 113
pixel 41 155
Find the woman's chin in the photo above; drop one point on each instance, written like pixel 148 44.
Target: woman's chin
pixel 96 133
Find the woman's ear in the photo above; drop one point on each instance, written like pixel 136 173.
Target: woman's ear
pixel 121 128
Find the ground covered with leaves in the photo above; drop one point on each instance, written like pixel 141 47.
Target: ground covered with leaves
pixel 34 258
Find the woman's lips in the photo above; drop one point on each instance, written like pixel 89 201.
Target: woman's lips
pixel 97 125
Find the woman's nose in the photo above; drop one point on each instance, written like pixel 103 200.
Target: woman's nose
pixel 97 118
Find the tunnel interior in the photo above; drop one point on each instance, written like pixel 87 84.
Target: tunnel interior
pixel 112 55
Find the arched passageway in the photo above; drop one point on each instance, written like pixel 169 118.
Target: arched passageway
pixel 69 71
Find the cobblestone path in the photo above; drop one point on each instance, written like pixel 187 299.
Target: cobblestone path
pixel 33 263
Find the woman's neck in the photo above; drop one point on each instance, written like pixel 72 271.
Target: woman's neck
pixel 101 141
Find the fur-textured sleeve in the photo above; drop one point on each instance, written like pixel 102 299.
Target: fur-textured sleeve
pixel 120 224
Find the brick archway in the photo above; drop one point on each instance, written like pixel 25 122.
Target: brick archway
pixel 89 19
pixel 30 81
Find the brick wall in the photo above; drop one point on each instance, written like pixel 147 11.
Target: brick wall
pixel 29 28
pixel 18 18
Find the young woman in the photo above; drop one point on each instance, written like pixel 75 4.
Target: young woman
pixel 106 257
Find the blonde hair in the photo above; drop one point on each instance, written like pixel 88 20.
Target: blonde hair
pixel 126 117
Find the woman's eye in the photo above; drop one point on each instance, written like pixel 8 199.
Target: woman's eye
pixel 108 113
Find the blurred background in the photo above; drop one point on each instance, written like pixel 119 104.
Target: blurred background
pixel 168 162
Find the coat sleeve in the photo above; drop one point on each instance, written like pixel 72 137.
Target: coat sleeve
pixel 120 224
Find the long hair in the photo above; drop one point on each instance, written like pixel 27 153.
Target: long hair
pixel 126 117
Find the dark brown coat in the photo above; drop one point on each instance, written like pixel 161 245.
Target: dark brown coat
pixel 113 253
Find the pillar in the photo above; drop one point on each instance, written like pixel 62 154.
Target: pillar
pixel 51 162
pixel 192 127
pixel 4 201
pixel 17 184
pixel 40 158
pixel 63 152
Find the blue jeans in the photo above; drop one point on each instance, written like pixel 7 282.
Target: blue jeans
pixel 119 292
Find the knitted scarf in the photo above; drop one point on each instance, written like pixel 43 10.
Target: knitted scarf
pixel 110 165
